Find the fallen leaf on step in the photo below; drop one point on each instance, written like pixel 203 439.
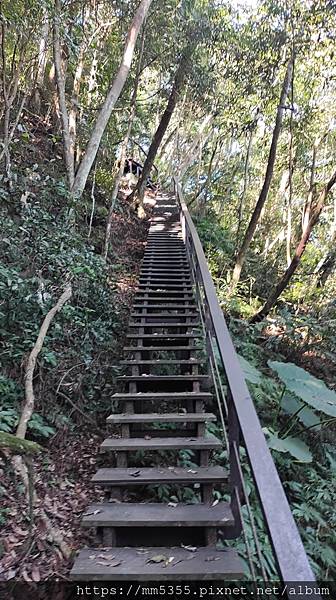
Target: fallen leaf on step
pixel 157 559
pixel 189 548
pixel 211 558
pixel 215 502
pixel 135 474
pixel 116 563
pixel 172 504
pixel 192 471
pixel 148 437
pixel 168 561
pixel 94 512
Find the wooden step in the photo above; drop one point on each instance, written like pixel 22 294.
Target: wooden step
pixel 157 514
pixel 183 305
pixel 159 378
pixel 132 564
pixel 161 287
pixel 161 324
pixel 154 295
pixel 162 396
pixel 167 272
pixel 209 442
pixel 134 418
pixel 167 260
pixel 157 475
pixel 149 279
pixel 162 361
pixel 163 336
pixel 165 315
pixel 162 348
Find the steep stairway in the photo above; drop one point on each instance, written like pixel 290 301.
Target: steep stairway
pixel 163 442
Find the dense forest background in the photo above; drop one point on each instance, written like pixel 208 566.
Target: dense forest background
pixel 237 100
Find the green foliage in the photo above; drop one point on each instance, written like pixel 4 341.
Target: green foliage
pixel 311 390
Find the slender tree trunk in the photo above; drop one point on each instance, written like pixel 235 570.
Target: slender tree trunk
pixel 241 256
pixel 189 156
pixel 204 186
pixel 162 128
pixel 41 63
pixel 112 97
pixel 68 148
pixel 124 148
pixel 246 177
pixel 73 112
pixel 327 264
pixel 285 279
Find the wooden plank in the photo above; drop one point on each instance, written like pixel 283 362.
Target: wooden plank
pixel 136 565
pixel 159 361
pixel 158 475
pixel 162 348
pixel 159 378
pixel 209 442
pixel 154 514
pixel 163 396
pixel 133 418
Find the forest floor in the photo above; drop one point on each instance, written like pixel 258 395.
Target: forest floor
pixel 62 475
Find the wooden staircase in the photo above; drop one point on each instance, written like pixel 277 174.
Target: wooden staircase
pixel 162 400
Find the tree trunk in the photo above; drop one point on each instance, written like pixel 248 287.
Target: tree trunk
pixel 124 149
pixel 112 97
pixel 68 148
pixel 246 177
pixel 285 279
pixel 241 256
pixel 162 128
pixel 189 157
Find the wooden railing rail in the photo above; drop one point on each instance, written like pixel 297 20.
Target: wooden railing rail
pixel 243 425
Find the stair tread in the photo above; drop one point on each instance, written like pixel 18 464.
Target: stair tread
pixel 146 377
pixel 161 323
pixel 182 306
pixel 161 348
pixel 158 285
pixel 152 295
pixel 194 315
pixel 207 442
pixel 154 514
pixel 135 564
pixel 165 336
pixel 163 395
pixel 162 361
pixel 160 418
pixel 155 475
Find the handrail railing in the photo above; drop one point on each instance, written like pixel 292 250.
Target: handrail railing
pixel 243 425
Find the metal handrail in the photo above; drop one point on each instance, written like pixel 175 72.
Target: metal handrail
pixel 287 545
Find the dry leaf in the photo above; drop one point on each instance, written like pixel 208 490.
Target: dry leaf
pixel 116 563
pixel 215 502
pixel 189 548
pixel 211 558
pixel 135 474
pixel 94 512
pixel 172 504
pixel 157 559
pixel 35 575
